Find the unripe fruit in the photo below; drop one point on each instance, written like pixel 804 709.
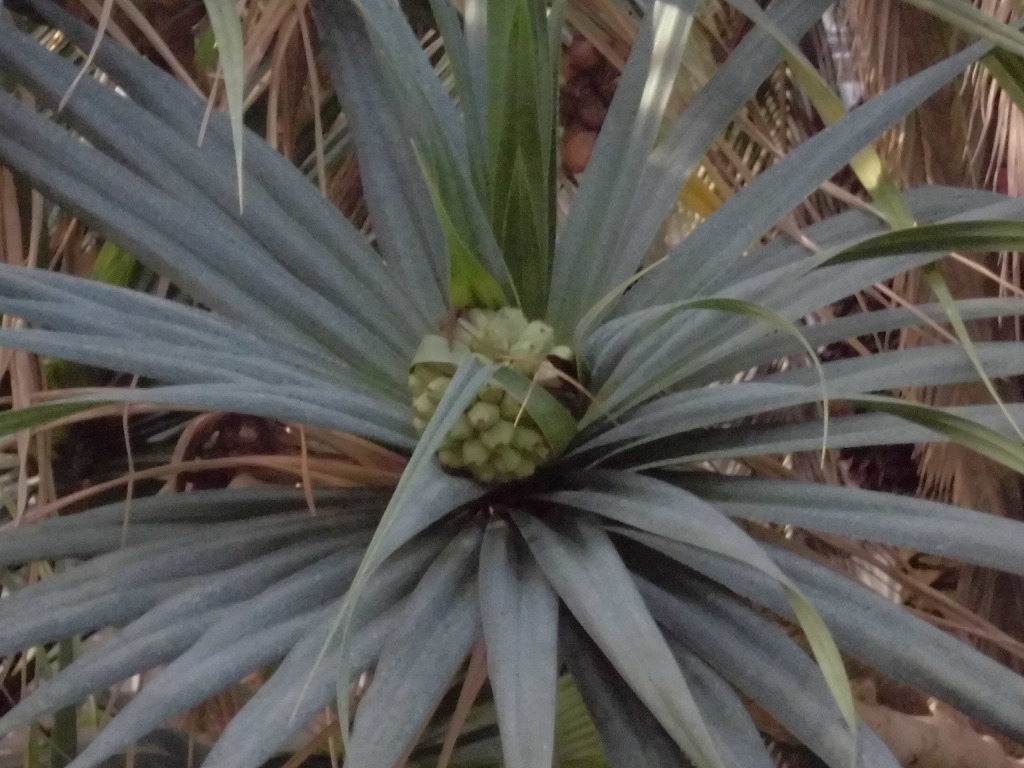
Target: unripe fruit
pixel 525 469
pixel 483 415
pixel 514 320
pixel 461 430
pixel 451 458
pixel 499 434
pixel 437 387
pixel 526 439
pixel 490 393
pixel 474 453
pixel 423 405
pixel 508 459
pixel 510 408
pixel 495 438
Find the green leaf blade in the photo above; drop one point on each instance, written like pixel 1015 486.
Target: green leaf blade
pixel 581 563
pixel 227 29
pixel 521 127
pixel 657 507
pixel 519 612
pixel 437 626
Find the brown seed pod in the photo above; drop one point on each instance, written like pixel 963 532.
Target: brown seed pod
pixel 576 88
pixel 577 148
pixel 607 85
pixel 567 100
pixel 591 111
pixel 583 55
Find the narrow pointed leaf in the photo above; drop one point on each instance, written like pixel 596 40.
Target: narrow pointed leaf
pixel 471 98
pixel 519 613
pixel 334 410
pixel 659 508
pixel 296 692
pixel 767 199
pixel 160 635
pixel 521 128
pixel 469 284
pixel 693 409
pixel 922 525
pixel 267 627
pixel 588 264
pixel 724 713
pixel 195 176
pixel 708 115
pixel 878 631
pixel 107 305
pixel 583 567
pixel 215 673
pixel 425 493
pixel 979 428
pixel 438 625
pixel 227 29
pixel 395 189
pixel 630 734
pixel 637 380
pixel 291 573
pixel 287 201
pixel 958 236
pixel 170 234
pixel 763 663
pixel 854 326
pixel 117 606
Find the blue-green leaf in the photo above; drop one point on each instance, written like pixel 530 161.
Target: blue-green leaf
pixel 651 505
pixel 437 625
pixel 425 492
pixel 630 734
pixel 731 230
pixel 922 525
pixel 582 565
pixel 588 264
pixel 724 713
pixel 519 612
pixel 758 658
pixel 395 190
pixel 708 115
pixel 877 630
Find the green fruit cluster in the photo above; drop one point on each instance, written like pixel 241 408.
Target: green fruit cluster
pixel 495 438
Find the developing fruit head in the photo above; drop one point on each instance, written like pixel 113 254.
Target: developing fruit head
pixel 495 438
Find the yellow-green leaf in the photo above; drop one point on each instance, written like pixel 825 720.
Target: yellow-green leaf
pixel 227 28
pixel 470 284
pixel 31 416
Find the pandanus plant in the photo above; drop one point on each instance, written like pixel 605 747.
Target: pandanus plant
pixel 568 404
